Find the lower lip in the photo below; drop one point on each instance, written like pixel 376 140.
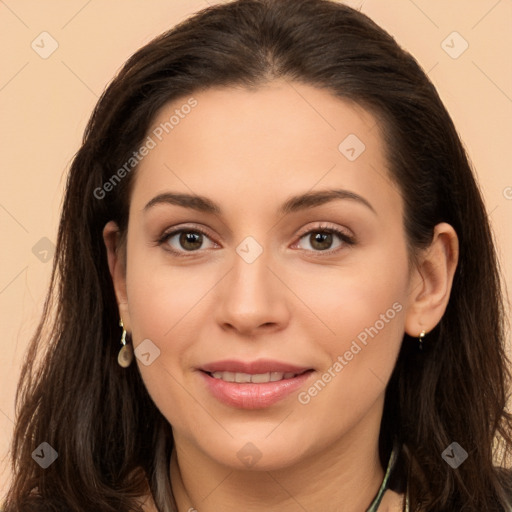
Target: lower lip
pixel 248 395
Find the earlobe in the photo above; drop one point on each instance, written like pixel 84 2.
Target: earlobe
pixel 432 282
pixel 117 267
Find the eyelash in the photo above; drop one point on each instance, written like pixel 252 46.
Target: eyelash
pixel 344 237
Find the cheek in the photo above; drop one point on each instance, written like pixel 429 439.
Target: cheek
pixel 166 305
pixel 169 305
pixel 162 296
pixel 363 305
pixel 368 292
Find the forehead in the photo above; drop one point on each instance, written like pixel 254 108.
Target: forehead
pixel 282 138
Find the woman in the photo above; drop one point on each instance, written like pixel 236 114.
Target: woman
pixel 275 286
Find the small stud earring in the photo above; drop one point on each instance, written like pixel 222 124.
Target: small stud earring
pixel 125 356
pixel 420 341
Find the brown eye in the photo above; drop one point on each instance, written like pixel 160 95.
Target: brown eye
pixel 190 240
pixel 322 239
pixel 181 241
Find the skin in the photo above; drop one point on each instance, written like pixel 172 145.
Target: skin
pixel 249 151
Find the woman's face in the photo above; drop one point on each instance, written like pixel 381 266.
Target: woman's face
pixel 269 280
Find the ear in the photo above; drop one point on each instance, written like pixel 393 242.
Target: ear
pixel 117 266
pixel 431 281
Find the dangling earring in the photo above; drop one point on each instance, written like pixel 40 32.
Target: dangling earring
pixel 420 341
pixel 125 356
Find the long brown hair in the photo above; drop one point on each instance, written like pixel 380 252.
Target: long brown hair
pixel 109 435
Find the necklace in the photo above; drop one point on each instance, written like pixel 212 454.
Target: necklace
pixel 384 486
pixel 380 493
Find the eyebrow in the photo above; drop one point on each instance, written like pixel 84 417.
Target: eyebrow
pixel 291 205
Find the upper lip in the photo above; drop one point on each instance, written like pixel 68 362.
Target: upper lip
pixel 253 367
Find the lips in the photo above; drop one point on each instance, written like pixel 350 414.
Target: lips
pixel 253 385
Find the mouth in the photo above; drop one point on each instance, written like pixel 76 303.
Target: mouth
pixel 254 385
pixel 257 378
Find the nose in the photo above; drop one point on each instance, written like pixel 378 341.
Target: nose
pixel 253 297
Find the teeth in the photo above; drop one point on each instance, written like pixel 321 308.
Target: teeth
pixel 258 378
pixel 242 377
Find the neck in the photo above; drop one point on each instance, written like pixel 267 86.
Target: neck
pixel 347 472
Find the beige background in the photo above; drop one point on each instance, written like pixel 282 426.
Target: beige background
pixel 45 104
